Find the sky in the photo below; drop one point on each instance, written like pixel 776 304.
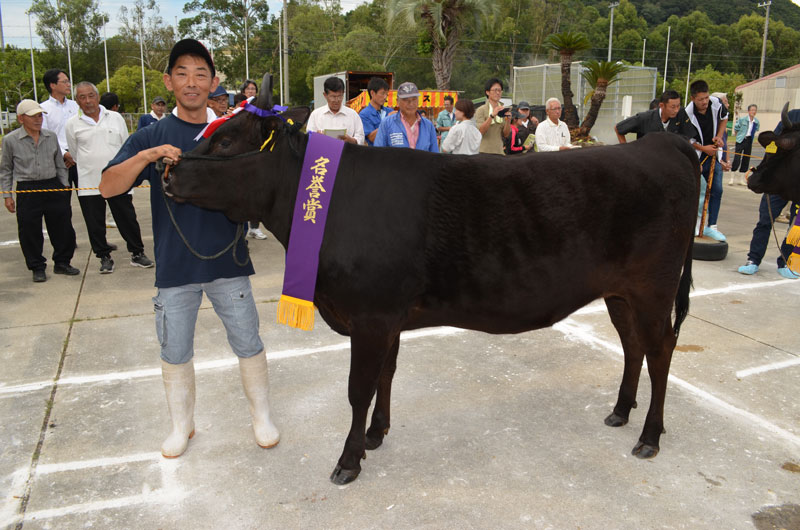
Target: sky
pixel 15 19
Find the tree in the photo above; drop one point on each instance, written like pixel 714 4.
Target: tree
pixel 567 44
pixel 76 21
pixel 445 22
pixel 157 38
pixel 599 74
pixel 228 23
pixel 16 83
pixel 126 82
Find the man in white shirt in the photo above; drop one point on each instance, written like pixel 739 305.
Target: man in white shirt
pixel 58 109
pixel 335 116
pixel 552 134
pixel 94 136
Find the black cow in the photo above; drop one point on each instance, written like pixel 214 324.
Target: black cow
pixel 488 243
pixel 779 172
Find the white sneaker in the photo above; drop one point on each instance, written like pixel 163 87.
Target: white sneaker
pixel 256 233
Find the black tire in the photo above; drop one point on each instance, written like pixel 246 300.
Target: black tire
pixel 707 249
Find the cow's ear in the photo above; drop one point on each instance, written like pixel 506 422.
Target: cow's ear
pixel 766 137
pixel 297 114
pixel 264 100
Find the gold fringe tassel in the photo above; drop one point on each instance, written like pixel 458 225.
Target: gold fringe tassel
pixel 296 312
pixel 793 237
pixel 794 262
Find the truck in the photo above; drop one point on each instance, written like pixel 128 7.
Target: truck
pixel 354 83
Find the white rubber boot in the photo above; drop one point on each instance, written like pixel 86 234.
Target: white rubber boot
pixel 255 380
pixel 179 387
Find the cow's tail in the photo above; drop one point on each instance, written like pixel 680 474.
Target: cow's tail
pixel 682 298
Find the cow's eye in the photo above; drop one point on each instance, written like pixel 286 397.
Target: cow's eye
pixel 225 143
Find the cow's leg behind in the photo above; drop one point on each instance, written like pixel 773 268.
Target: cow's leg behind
pixel 379 427
pixel 645 328
pixel 623 319
pixel 369 347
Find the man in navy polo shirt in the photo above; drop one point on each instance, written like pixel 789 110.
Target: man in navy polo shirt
pixel 181 277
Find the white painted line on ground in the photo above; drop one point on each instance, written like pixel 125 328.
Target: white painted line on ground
pixel 767 368
pixel 584 333
pixel 10 391
pixel 170 492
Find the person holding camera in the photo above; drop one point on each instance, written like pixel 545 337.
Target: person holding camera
pixel 492 119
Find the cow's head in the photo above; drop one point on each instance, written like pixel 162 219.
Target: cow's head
pixel 236 169
pixel 779 172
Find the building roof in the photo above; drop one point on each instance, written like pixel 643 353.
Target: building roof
pixel 770 76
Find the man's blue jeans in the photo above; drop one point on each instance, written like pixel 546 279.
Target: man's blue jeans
pixel 715 200
pixel 761 233
pixel 176 316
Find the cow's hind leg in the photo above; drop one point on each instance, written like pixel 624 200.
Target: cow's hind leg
pixel 379 427
pixel 645 328
pixel 659 336
pixel 369 346
pixel 623 319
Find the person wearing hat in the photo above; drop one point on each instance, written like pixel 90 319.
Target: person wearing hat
pixel 407 128
pixel 181 276
pixel 157 110
pixel 32 159
pixel 528 123
pixel 514 144
pixel 218 101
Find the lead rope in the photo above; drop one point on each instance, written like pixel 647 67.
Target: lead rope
pixel 231 246
pixel 772 221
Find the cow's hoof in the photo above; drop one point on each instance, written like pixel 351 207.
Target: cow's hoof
pixel 375 441
pixel 643 450
pixel 340 476
pixel 615 420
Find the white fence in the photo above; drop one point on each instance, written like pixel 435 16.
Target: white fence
pixel 536 84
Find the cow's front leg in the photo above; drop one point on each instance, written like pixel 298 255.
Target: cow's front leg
pixel 379 427
pixel 368 350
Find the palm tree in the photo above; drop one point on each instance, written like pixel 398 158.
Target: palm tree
pixel 445 21
pixel 567 44
pixel 599 74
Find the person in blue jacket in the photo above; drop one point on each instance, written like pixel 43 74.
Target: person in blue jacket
pixel 407 128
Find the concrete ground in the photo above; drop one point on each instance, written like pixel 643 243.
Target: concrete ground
pixel 488 431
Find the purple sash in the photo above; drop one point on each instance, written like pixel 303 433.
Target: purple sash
pixel 317 177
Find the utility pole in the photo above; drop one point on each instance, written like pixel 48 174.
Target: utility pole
pixel 611 27
pixel 764 44
pixel 644 47
pixel 666 60
pixel 246 50
pixel 2 42
pixel 285 53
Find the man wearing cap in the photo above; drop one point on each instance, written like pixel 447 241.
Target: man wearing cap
pixel 446 119
pixel 57 110
pixel 32 158
pixel 528 123
pixel 407 128
pixel 181 276
pixel 336 117
pixel 157 109
pixel 94 136
pixel 218 101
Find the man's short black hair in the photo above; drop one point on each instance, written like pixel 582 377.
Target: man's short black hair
pixel 668 95
pixel 51 76
pixel 377 84
pixel 333 84
pixel 109 99
pixel 492 82
pixel 752 105
pixel 247 83
pixel 449 98
pixel 698 87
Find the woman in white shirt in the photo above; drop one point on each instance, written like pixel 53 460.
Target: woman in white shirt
pixel 464 137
